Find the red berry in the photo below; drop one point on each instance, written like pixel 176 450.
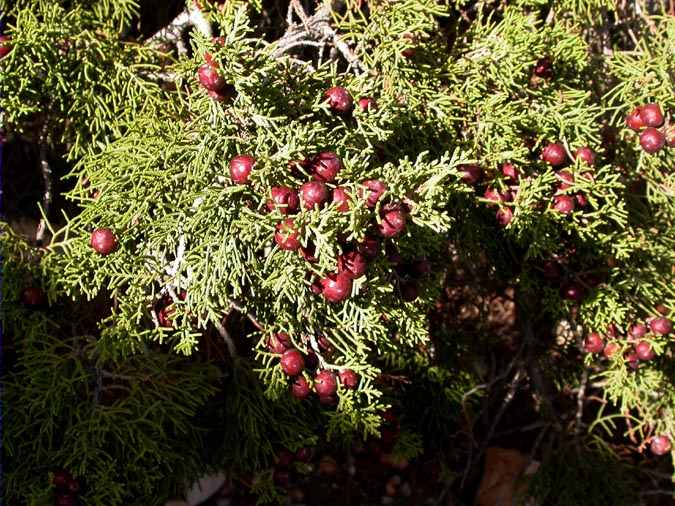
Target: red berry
pixel 375 188
pixel 103 241
pixel 593 343
pixel 327 400
pixel 341 199
pixel 352 264
pixel 367 104
pixel 610 349
pixel 300 388
pixel 573 292
pixel 287 236
pixel 309 253
pixel 325 383
pixel 278 343
pixel 586 155
pixel 336 287
pixel 644 351
pixel 661 326
pixel 631 359
pixel 339 100
pixel 240 168
pixel 638 330
pixel 510 172
pixel 581 199
pixel 471 174
pixel 551 270
pixel 652 140
pixel 61 479
pixel 209 77
pixel 543 67
pixel 493 195
pixel 165 316
pixel 660 445
pixel 349 379
pixel 284 199
pixel 634 120
pixel 651 115
pixel 393 222
pixel 304 454
pixel 567 179
pixel 554 154
pixel 292 362
pixel 315 287
pixel 409 291
pixel 369 248
pixel 33 297
pixel 223 94
pixel 5 45
pixel 563 204
pixel 313 194
pixel 662 309
pixel 504 216
pixel 326 166
pixel 285 458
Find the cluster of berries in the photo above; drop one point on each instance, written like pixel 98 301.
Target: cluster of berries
pixel 647 120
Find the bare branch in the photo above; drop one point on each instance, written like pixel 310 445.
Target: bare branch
pixel 227 338
pixel 47 179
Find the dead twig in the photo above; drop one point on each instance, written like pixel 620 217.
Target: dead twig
pixel 47 180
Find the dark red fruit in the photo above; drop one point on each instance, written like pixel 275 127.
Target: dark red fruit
pixel 504 216
pixel 651 115
pixel 573 292
pixel 374 190
pixel 278 343
pixel 393 222
pixel 5 45
pixel 61 479
pixel 341 199
pixel 644 351
pixel 593 343
pixel 209 77
pixel 285 458
pixel 349 379
pixel 543 67
pixel 300 388
pixel 420 267
pixel 554 154
pixel 586 155
pixel 312 361
pixel 662 309
pixel 165 315
pixel 315 287
pixel 327 400
pixel 336 287
pixel 352 264
pixel 304 454
pixel 638 331
pixel 292 362
pixel 660 445
pixel 566 178
pixel 661 326
pixel 471 174
pixel 219 96
pixel 284 199
pixel 510 172
pixel 369 248
pixel 326 166
pixel 493 195
pixel 309 253
pixel 563 204
pixel 325 383
pixel 551 270
pixel 287 236
pixel 33 297
pixel 631 359
pixel 339 100
pixel 610 349
pixel 367 104
pixel 652 140
pixel 103 241
pixel 634 120
pixel 241 167
pixel 409 291
pixel 581 199
pixel 313 194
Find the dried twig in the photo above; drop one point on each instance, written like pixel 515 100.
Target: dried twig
pixel 47 179
pixel 227 338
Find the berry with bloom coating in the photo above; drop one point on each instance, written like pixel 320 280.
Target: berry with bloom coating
pixel 336 287
pixel 471 174
pixel 661 326
pixel 341 199
pixel 325 383
pixel 370 247
pixel 349 379
pixel 586 155
pixel 287 236
pixel 554 154
pixel 367 104
pixel 644 351
pixel 313 194
pixel 543 68
pixel 374 188
pixel 209 77
pixel 300 388
pixel 634 120
pixel 660 445
pixel 610 349
pixel 292 362
pixel 504 216
pixel 510 172
pixel 279 343
pixel 593 343
pixel 353 264
pixel 563 204
pixel 651 115
pixel 339 100
pixel 326 166
pixel 284 199
pixel 638 331
pixel 103 240
pixel 573 292
pixel 240 168
pixel 393 222
pixel 652 140
pixel 5 45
